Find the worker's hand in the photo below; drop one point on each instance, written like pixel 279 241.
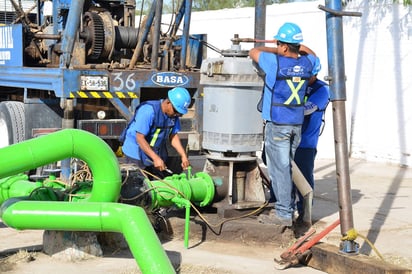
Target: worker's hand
pixel 159 164
pixel 185 162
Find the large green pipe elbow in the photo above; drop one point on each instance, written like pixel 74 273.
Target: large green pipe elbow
pixel 61 145
pixel 105 217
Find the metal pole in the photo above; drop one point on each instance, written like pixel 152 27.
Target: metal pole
pixel 186 33
pixel 260 22
pixel 69 34
pixel 145 32
pixel 156 33
pixel 336 80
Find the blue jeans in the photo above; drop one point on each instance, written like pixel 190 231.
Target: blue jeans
pixel 281 142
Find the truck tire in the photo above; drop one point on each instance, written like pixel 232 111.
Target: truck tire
pixel 11 123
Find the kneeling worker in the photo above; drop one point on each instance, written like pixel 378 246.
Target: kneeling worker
pixel 154 123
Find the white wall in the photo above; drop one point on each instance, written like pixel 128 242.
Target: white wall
pixel 378 59
pixel 378 66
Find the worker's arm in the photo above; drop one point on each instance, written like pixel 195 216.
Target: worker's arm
pixel 255 52
pixel 304 50
pixel 144 145
pixel 175 142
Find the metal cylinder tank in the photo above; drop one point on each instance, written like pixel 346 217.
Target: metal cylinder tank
pixel 231 91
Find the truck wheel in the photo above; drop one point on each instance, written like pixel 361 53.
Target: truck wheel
pixel 11 123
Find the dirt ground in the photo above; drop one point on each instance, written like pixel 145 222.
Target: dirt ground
pixel 21 252
pixel 381 197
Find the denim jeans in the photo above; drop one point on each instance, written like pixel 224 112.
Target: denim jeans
pixel 281 142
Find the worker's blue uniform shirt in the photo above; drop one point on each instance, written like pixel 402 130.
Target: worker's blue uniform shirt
pixel 318 94
pixel 285 105
pixel 145 123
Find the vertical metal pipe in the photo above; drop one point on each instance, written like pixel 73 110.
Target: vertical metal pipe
pixel 342 167
pixel 178 19
pixel 38 19
pixel 143 37
pixel 175 28
pixel 69 34
pixel 230 186
pixel 338 97
pixel 260 22
pixel 67 122
pixel 185 37
pixel 156 34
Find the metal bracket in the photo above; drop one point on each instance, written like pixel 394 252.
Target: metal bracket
pixel 340 13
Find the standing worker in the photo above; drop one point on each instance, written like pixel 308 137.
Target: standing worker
pixel 316 100
pixel 154 123
pixel 287 69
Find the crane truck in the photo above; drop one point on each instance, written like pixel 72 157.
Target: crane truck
pixel 87 65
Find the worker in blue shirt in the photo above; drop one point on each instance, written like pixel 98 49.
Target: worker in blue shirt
pixel 155 122
pixel 287 69
pixel 316 100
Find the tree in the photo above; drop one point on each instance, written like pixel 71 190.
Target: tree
pixel 200 5
pixel 170 6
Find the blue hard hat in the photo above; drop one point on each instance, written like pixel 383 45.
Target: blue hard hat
pixel 289 33
pixel 180 99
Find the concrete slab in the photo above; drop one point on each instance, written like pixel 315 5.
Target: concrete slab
pixel 381 195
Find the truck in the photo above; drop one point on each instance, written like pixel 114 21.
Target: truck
pixel 87 65
pixel 68 65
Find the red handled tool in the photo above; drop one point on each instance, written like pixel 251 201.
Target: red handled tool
pixel 299 251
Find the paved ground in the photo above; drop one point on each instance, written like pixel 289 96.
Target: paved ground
pixel 381 196
pixel 381 203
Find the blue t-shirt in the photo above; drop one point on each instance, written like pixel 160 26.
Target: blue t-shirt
pixel 143 120
pixel 313 122
pixel 269 64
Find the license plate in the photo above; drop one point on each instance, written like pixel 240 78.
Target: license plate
pixel 94 82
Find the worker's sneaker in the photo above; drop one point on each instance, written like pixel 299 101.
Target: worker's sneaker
pixel 272 218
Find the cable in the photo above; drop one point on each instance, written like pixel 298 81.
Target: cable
pixel 352 234
pixel 372 246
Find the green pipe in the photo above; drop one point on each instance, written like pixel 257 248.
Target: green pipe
pixel 199 189
pixel 181 190
pixel 16 186
pixel 187 226
pixel 67 216
pixel 105 217
pixel 187 205
pixel 64 144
